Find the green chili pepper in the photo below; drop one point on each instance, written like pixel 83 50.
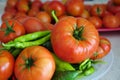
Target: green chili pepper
pixel 62 65
pixel 32 36
pixel 27 44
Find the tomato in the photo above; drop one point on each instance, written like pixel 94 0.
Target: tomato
pixel 113 8
pixel 97 10
pixel 103 49
pixel 34 63
pixel 57 6
pixel 22 6
pixel 97 21
pixel 6 65
pixel 11 30
pixel 33 12
pixel 21 18
pixel 6 16
pixel 74 39
pixel 33 24
pixel 11 3
pixel 85 14
pixel 36 4
pixel 118 15
pixel 74 7
pixel 44 17
pixel 111 21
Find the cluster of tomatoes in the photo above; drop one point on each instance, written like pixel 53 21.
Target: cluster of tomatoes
pixel 74 38
pixel 101 15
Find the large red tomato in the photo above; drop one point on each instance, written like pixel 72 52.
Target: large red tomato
pixel 74 39
pixel 103 49
pixel 6 65
pixel 34 63
pixel 10 30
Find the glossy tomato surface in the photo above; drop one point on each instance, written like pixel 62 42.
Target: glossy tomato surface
pixel 111 21
pixel 71 47
pixel 10 30
pixel 33 24
pixel 6 65
pixel 74 7
pixel 97 21
pixel 103 49
pixel 34 63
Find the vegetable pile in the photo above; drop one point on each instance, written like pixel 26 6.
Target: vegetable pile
pixel 65 48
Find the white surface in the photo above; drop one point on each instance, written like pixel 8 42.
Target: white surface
pixel 114 72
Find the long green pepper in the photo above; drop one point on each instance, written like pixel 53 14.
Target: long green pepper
pixel 32 36
pixel 27 44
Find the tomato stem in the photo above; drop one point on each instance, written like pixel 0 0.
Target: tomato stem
pixel 29 62
pixel 78 33
pixel 9 28
pixel 98 10
pixel 54 16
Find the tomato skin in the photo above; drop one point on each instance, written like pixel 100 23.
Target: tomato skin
pixel 113 8
pixel 97 10
pixel 6 65
pixel 67 47
pixel 44 17
pixel 42 67
pixel 111 21
pixel 55 5
pixel 74 7
pixel 97 21
pixel 17 27
pixel 103 49
pixel 33 24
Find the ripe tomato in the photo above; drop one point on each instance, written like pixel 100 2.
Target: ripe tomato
pixel 11 30
pixel 111 21
pixel 6 16
pixel 22 6
pixel 112 7
pixel 74 39
pixel 33 24
pixel 97 21
pixel 103 49
pixel 74 7
pixel 44 17
pixel 85 14
pixel 97 10
pixel 6 65
pixel 57 6
pixel 34 63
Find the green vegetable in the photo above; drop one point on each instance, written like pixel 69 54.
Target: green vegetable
pixel 32 36
pixel 27 44
pixel 66 75
pixel 16 52
pixel 89 71
pixel 62 65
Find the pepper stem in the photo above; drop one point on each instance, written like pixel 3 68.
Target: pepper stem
pixel 54 16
